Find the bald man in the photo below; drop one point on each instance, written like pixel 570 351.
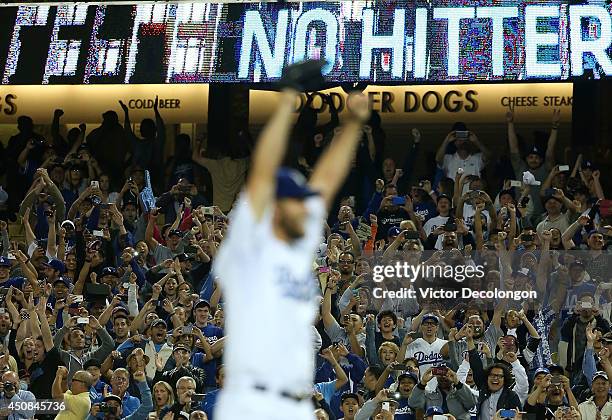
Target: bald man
pixel 198 415
pixel 76 399
pixel 12 394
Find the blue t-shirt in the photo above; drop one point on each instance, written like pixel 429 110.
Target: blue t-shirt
pixel 212 333
pixel 327 389
pixel 208 405
pixel 197 360
pixel 426 209
pixel 16 282
pixel 404 411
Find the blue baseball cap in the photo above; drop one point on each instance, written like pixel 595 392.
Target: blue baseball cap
pixel 428 317
pixel 57 265
pixel 541 370
pixel 393 231
pixel 109 271
pixel 434 409
pixel 5 262
pixel 408 375
pixel 64 280
pixel 292 184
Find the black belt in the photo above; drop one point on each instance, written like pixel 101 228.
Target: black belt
pixel 285 394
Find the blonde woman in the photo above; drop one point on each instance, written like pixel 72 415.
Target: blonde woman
pixel 162 396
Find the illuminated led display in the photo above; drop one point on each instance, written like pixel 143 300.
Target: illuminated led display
pixel 380 42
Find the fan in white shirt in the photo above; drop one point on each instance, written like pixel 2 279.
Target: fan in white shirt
pixel 471 163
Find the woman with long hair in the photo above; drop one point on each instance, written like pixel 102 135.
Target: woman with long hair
pixel 162 396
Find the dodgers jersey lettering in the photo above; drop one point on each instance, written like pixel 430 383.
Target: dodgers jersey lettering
pixel 427 355
pixel 268 282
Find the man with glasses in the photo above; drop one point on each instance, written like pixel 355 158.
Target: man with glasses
pixel 346 266
pixel 495 383
pixel 76 399
pixel 11 393
pixel 185 402
pixel 558 393
pixel 427 350
pixel 114 404
pixel 120 381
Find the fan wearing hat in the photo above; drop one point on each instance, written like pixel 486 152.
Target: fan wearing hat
pixel 7 281
pixel 373 408
pixel 423 199
pixel 557 392
pixel 173 245
pixel 580 283
pixel 554 200
pixel 536 161
pixel 182 356
pixel 600 402
pixel 573 334
pixel 349 405
pixel 429 343
pixel 447 389
pixel 464 157
pixel 93 366
pixel 111 407
pixel 156 346
pixel 405 384
pixel 53 269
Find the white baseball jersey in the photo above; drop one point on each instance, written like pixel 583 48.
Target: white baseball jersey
pixel 271 297
pixel 434 223
pixel 428 355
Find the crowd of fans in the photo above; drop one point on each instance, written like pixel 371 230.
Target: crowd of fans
pixel 116 313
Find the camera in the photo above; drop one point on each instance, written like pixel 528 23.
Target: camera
pixel 95 200
pixel 106 408
pixel 527 237
pixel 411 235
pixel 8 386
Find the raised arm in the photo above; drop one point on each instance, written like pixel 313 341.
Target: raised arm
pixel 442 149
pixel 326 309
pixel 341 378
pixel 269 154
pixel 57 389
pixel 149 239
pixel 333 166
pixel 512 138
pixel 159 121
pixel 485 152
pixel 127 125
pixel 598 190
pixel 29 233
pixel 549 160
pixel 45 331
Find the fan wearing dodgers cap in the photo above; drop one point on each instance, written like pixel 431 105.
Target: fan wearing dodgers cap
pixel 265 261
pixel 536 161
pixel 428 350
pixel 600 402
